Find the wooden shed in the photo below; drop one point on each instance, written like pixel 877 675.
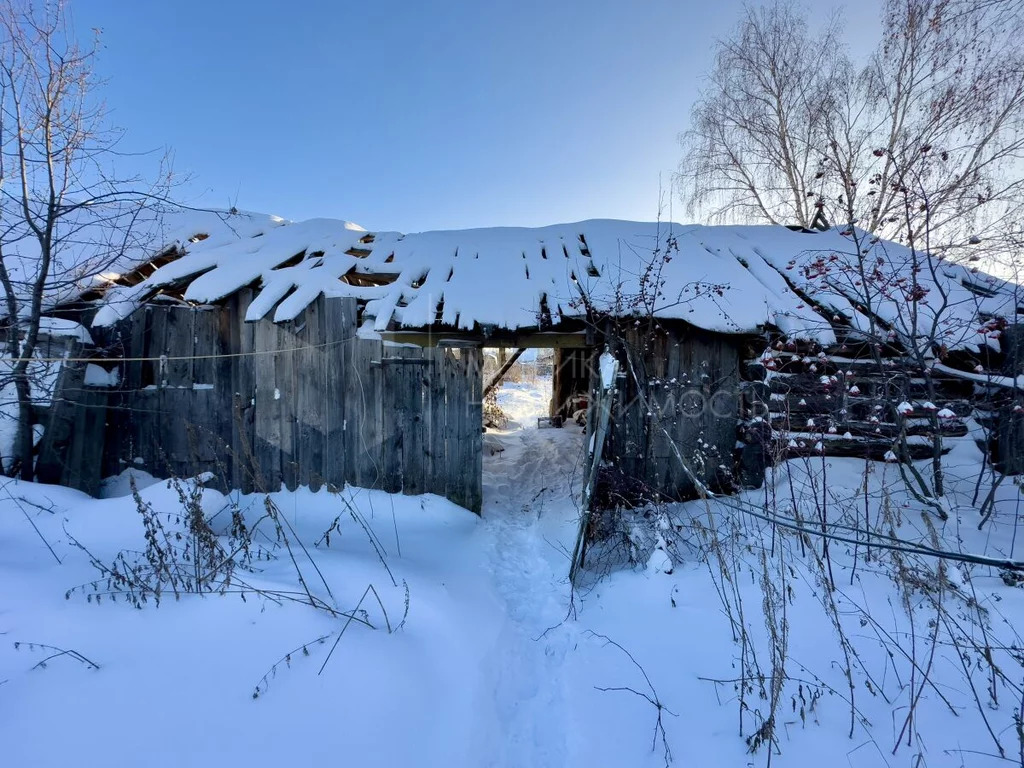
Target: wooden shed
pixel 261 405
pixel 279 354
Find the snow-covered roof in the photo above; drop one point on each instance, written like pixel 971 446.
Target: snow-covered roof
pixel 731 279
pixel 95 244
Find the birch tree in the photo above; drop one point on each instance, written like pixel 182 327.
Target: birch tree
pixel 752 151
pixel 789 125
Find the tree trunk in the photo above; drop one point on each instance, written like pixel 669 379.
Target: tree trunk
pixel 23 464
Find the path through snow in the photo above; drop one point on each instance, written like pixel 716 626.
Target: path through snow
pixel 529 510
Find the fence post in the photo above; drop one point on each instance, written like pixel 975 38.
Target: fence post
pixel 609 368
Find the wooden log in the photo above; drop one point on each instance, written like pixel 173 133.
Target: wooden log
pixel 882 429
pixel 874 450
pixel 506 366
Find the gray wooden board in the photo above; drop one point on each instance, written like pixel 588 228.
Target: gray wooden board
pixel 339 319
pixel 302 402
pixel 474 427
pixel 397 403
pixel 437 424
pixel 293 374
pixel 362 403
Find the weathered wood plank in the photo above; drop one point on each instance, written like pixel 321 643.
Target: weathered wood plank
pixel 362 405
pixel 222 378
pixel 312 380
pixel 156 346
pixel 336 360
pixel 136 340
pixel 396 396
pixel 438 424
pixel 455 406
pixel 289 394
pixel 267 413
pixel 251 473
pixel 417 447
pixel 179 332
pixel 474 431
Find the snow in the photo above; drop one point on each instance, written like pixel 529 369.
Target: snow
pixel 98 376
pixel 828 271
pixel 498 663
pixel 993 380
pixel 528 492
pixel 731 279
pixel 219 266
pixel 204 656
pixel 120 485
pixel 609 367
pixel 43 372
pixel 660 561
pixel 58 327
pixel 98 243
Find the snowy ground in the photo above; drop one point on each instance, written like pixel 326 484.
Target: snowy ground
pixel 496 664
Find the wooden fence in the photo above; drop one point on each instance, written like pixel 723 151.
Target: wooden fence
pixel 264 405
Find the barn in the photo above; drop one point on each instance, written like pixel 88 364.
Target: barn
pixel 264 354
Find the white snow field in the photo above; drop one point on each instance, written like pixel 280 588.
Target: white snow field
pixel 497 663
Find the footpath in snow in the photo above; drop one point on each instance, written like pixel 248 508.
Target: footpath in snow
pixel 530 516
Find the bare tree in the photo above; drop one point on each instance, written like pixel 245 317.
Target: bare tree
pixel 64 215
pixel 753 151
pixel 944 104
pixel 789 125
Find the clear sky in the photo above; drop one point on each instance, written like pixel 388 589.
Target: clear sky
pixel 413 115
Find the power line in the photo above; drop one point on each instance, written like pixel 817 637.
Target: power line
pixel 889 542
pixel 179 358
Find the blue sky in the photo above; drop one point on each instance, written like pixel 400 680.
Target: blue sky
pixel 411 115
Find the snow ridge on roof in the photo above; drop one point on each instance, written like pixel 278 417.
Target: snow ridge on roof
pixel 730 279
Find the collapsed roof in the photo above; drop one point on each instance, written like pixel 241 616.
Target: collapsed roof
pixel 729 279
